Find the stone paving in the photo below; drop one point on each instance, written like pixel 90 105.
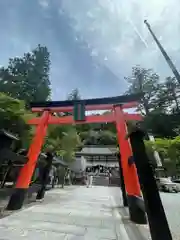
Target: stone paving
pixel 76 213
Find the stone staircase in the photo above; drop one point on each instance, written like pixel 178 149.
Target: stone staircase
pixel 100 181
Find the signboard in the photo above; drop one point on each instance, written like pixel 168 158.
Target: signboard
pixel 79 111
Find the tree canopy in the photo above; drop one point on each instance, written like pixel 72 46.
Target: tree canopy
pixel 63 140
pixel 160 103
pixel 14 117
pixel 74 95
pixel 160 106
pixel 146 81
pixel 27 78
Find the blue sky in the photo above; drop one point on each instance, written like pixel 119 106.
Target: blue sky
pixel 93 43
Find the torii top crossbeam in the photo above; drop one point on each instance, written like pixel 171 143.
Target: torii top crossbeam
pixel 128 101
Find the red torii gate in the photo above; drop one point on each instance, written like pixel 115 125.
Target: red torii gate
pixel 117 115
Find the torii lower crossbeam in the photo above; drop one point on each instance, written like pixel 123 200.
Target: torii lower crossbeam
pixel 108 118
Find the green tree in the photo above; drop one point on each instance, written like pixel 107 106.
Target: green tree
pixel 146 81
pixel 27 78
pixel 14 117
pixel 63 140
pixel 92 138
pixel 74 95
pixel 84 135
pixel 164 119
pixel 170 94
pixel 70 142
pixel 81 128
pixel 107 138
pixel 102 137
pixel 160 103
pixel 169 150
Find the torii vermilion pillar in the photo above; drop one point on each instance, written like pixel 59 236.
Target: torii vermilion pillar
pixel 129 169
pixel 26 172
pixel 116 115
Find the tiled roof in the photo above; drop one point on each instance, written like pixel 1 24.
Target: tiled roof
pixel 99 150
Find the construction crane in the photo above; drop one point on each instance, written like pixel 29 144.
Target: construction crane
pixel 167 58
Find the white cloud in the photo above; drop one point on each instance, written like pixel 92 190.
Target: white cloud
pixel 113 30
pixel 117 30
pixel 44 3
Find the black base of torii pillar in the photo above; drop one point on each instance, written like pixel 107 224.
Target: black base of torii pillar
pixel 156 216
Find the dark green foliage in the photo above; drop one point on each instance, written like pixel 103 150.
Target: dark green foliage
pixel 146 81
pixel 14 117
pixel 74 95
pixel 27 78
pixel 98 138
pixel 160 104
